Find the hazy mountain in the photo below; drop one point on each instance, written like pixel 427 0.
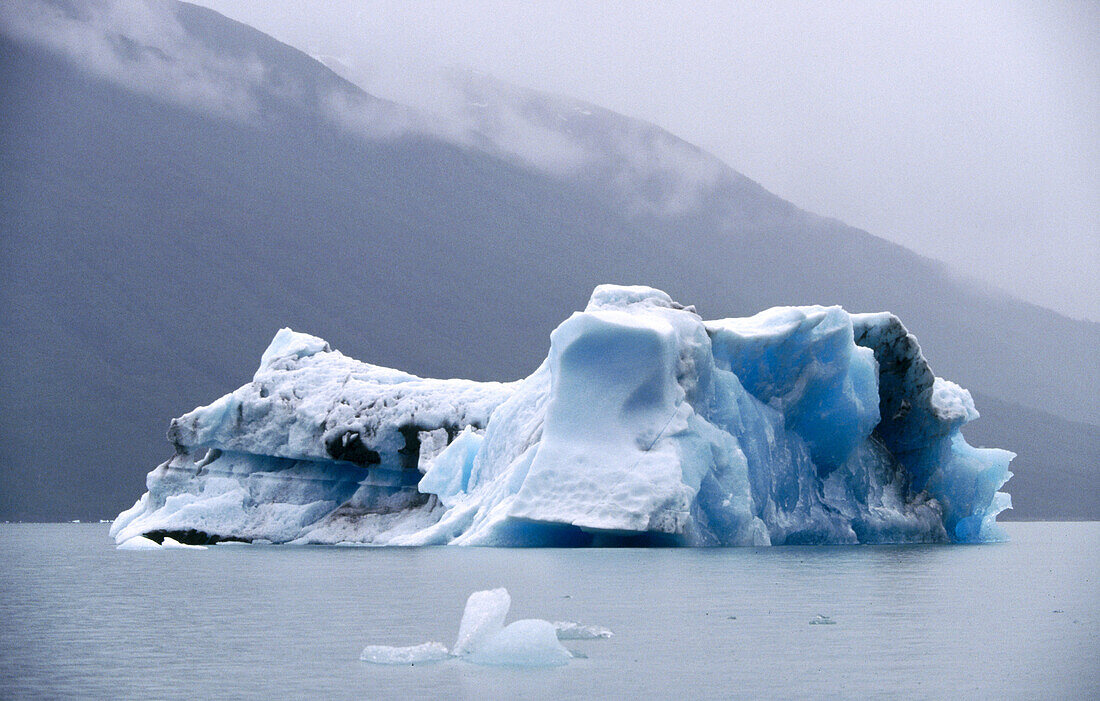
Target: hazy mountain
pixel 177 186
pixel 1056 460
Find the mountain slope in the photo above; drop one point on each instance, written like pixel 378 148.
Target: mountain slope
pixel 153 245
pixel 782 255
pixel 1055 465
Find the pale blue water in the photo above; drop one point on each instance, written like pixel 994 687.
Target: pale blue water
pixel 1020 620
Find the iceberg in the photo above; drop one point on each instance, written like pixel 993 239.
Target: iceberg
pixel 526 643
pixel 484 639
pixel 645 425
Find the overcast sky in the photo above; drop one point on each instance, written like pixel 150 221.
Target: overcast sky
pixel 965 131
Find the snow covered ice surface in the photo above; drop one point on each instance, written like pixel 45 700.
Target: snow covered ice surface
pixel 645 425
pixel 484 639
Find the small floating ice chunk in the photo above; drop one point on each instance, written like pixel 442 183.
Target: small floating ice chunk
pixel 384 654
pixel 820 620
pixel 173 544
pixel 483 617
pixel 526 643
pixel 483 638
pixel 448 475
pixel 571 630
pixel 138 542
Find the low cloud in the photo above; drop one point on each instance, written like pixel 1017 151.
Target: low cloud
pixel 140 46
pixel 649 169
pixel 440 105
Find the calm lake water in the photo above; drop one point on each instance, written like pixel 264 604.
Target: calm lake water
pixel 1020 620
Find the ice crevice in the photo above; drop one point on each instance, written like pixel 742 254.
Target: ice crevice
pixel 645 425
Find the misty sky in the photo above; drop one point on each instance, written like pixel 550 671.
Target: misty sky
pixel 965 131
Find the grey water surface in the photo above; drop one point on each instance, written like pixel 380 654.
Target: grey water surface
pixel 79 619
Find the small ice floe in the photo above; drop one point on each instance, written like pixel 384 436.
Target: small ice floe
pixel 820 620
pixel 384 654
pixel 484 639
pixel 138 542
pixel 173 544
pixel 571 630
pixel 527 643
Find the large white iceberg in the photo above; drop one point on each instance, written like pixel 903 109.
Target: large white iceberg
pixel 645 425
